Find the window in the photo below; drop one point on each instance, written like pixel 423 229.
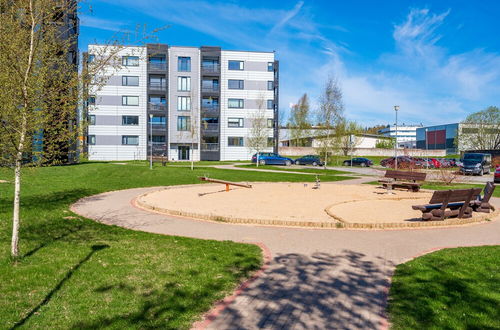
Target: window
pixel 158 120
pixel 270 104
pixel 270 142
pixel 270 85
pixel 91 100
pixel 270 66
pixel 91 58
pixel 210 85
pixel 235 65
pixel 184 64
pixel 91 119
pixel 235 84
pixel 91 140
pixel 209 102
pixel 130 60
pixel 158 139
pixel 130 140
pixel 130 81
pixel 157 59
pixel 235 122
pixel 130 100
pixel 130 120
pixel 235 103
pixel 183 123
pixel 160 100
pixel 184 84
pixel 270 123
pixel 157 82
pixel 235 141
pixel 183 103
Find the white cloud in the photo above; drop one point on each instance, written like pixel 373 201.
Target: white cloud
pixel 102 24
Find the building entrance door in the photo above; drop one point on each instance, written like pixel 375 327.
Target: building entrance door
pixel 183 152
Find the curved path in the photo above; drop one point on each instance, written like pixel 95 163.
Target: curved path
pixel 316 278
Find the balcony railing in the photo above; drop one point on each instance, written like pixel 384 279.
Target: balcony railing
pixel 157 66
pixel 211 89
pixel 158 126
pixel 215 68
pixel 212 107
pixel 210 127
pixel 157 86
pixel 209 146
pixel 157 107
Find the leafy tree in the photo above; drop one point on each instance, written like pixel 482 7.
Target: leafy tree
pixel 385 143
pixel 349 135
pixel 257 140
pixel 300 122
pixel 374 129
pixel 481 130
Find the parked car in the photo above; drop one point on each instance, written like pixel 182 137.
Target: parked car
pixel 403 162
pixel 363 162
pixel 497 175
pixel 435 163
pixel 476 163
pixel 309 160
pixel 270 158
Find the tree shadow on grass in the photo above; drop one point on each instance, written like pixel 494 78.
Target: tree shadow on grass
pixel 59 285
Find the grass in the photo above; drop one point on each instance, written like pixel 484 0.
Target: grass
pixel 294 169
pixel 449 289
pixel 77 273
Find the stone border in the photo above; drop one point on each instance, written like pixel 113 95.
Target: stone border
pixel 338 224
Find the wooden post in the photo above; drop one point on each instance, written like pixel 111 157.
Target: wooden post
pixel 227 187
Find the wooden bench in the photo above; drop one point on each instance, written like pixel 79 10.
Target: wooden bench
pixel 449 203
pixel 482 204
pixel 403 179
pixel 227 183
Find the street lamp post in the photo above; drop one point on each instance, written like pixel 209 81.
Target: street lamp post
pixel 426 150
pixel 396 108
pixel 151 141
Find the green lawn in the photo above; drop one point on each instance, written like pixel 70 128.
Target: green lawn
pixel 318 170
pixel 449 289
pixel 76 273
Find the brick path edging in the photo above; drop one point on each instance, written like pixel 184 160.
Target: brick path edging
pixel 221 305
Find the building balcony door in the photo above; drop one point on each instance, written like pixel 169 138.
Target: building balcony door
pixel 183 152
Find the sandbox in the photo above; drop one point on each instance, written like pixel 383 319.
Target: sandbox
pixel 296 204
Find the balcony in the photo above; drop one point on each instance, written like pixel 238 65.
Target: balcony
pixel 210 110
pixel 209 146
pixel 210 89
pixel 157 127
pixel 157 66
pixel 213 68
pixel 157 86
pixel 210 127
pixel 157 107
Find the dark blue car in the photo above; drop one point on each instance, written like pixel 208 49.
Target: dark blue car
pixel 309 160
pixel 270 158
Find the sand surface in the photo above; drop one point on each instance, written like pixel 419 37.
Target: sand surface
pixel 291 202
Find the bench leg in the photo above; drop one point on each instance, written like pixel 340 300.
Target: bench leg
pixel 227 187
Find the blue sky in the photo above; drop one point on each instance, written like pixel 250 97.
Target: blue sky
pixel 438 60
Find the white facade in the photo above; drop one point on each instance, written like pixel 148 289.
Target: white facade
pixel 119 126
pixel 403 135
pixel 255 94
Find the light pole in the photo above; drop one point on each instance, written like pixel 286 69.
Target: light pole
pixel 151 141
pixel 396 108
pixel 426 150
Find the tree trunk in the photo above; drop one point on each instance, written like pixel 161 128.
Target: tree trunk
pixel 16 220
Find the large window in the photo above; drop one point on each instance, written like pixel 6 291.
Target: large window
pixel 184 84
pixel 235 141
pixel 91 140
pixel 270 85
pixel 130 120
pixel 270 104
pixel 236 65
pixel 130 81
pixel 210 102
pixel 270 66
pixel 235 103
pixel 130 140
pixel 270 123
pixel 158 120
pixel 91 100
pixel 235 84
pixel 183 123
pixel 130 60
pixel 91 119
pixel 158 139
pixel 183 103
pixel 184 64
pixel 130 100
pixel 235 122
pixel 159 100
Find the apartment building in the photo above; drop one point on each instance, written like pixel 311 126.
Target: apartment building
pixel 182 103
pixel 406 135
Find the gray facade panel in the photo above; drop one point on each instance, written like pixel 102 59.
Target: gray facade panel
pixel 257 85
pixel 255 66
pixel 109 100
pixel 108 140
pixel 114 81
pixel 108 120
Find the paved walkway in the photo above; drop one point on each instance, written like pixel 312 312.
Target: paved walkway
pixel 316 279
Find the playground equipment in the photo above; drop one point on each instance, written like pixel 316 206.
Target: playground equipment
pixel 227 183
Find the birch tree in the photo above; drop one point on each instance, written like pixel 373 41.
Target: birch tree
pixel 300 122
pixel 259 131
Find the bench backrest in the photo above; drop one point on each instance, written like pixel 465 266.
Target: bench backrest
pixel 405 175
pixel 488 192
pixel 458 195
